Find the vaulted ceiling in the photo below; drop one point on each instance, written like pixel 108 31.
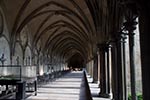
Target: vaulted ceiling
pixel 63 28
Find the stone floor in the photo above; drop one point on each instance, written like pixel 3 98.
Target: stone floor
pixel 67 87
pixel 64 88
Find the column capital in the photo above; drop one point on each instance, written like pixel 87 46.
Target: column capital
pixel 120 37
pixel 130 24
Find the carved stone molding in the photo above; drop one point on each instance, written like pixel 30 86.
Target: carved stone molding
pixel 1 23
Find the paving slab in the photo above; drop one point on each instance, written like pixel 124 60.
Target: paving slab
pixel 64 88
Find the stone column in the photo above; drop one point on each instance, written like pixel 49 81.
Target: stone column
pixel 118 68
pixel 91 68
pixel 115 80
pixel 104 88
pixel 144 25
pixel 95 69
pixel 130 26
pixel 98 62
pixel 87 67
pixel 107 69
pixel 124 64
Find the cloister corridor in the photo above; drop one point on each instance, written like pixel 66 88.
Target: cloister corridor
pixel 67 87
pixel 74 49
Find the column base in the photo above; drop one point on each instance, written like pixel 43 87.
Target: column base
pixel 98 83
pixel 104 95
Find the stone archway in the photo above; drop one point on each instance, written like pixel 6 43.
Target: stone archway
pixel 41 67
pixel 1 22
pixel 4 55
pixel 18 55
pixel 27 56
pixel 4 50
pixel 35 57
